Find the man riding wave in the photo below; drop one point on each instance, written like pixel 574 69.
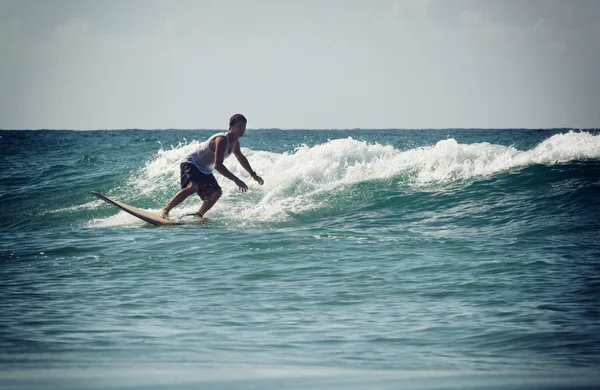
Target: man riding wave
pixel 196 169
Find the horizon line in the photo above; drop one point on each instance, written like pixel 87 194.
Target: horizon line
pixel 314 129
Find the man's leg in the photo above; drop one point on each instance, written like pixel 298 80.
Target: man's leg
pixel 209 202
pixel 178 198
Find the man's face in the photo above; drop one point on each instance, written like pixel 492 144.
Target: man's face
pixel 239 128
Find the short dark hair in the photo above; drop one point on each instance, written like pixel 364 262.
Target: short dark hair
pixel 235 119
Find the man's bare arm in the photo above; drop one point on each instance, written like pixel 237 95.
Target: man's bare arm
pixel 245 164
pixel 220 148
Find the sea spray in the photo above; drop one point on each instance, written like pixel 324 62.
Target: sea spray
pixel 299 180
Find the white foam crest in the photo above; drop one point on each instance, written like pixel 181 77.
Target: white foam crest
pixel 562 148
pixel 163 170
pixel 293 180
pixel 449 160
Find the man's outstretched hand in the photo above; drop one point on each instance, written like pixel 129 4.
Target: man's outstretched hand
pixel 258 179
pixel 243 187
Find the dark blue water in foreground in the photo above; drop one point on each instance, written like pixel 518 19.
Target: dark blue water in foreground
pixel 369 259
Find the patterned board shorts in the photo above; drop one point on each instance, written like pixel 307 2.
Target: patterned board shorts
pixel 207 184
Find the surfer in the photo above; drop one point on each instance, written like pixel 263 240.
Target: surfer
pixel 196 169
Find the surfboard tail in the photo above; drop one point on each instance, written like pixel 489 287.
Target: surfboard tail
pixel 144 215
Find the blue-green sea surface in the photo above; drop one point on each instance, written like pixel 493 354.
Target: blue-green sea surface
pixel 368 259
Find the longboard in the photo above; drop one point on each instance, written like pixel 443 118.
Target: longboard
pixel 144 215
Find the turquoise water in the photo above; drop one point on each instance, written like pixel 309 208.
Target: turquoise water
pixel 369 259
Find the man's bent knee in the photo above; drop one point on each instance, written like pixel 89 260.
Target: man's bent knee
pixel 216 195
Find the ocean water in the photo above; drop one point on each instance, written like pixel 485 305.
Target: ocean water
pixel 369 259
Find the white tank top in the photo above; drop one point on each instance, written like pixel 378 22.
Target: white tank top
pixel 204 158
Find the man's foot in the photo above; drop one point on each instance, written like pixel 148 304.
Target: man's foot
pixel 164 214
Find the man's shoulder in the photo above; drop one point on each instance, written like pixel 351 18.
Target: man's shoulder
pixel 218 138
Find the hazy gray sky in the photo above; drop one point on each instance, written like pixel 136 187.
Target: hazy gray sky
pixel 299 64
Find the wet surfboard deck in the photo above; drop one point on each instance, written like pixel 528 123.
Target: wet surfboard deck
pixel 148 216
